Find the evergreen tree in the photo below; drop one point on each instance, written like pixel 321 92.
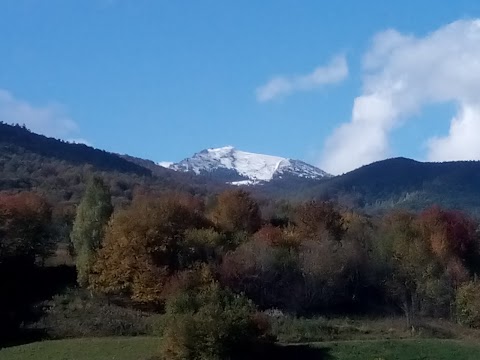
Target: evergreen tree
pixel 93 214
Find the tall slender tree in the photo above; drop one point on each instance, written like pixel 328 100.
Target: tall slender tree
pixel 87 234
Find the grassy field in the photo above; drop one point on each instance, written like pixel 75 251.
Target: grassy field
pixel 307 330
pixel 127 348
pixel 400 350
pixel 140 348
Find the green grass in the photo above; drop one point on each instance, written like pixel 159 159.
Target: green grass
pixel 420 349
pixel 126 348
pixel 140 348
pixel 302 330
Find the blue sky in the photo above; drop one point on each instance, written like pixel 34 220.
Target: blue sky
pixel 164 79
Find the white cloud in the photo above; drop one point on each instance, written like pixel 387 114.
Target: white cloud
pixel 403 73
pixel 50 119
pixel 334 72
pixel 462 141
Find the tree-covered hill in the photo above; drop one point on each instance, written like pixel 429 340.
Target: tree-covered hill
pixel 13 138
pixel 401 182
pixel 60 169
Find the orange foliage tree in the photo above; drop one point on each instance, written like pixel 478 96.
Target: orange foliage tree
pixel 144 246
pixel 316 220
pixel 25 238
pixel 25 226
pixel 453 239
pixel 235 211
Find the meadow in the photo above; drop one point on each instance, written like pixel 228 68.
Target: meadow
pixel 143 348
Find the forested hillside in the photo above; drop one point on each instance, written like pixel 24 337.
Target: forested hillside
pixel 405 183
pixel 60 170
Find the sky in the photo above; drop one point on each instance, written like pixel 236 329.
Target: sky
pixel 338 84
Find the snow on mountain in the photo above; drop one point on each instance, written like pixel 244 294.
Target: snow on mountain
pixel 166 164
pixel 245 168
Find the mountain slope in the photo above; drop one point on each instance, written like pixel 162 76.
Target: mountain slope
pixel 78 154
pixel 59 169
pixel 243 168
pixel 401 182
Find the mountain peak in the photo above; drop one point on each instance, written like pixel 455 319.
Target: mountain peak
pixel 222 149
pixel 245 168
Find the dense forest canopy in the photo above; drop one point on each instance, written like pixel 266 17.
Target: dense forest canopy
pixel 60 170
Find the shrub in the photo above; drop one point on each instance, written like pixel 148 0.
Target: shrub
pixel 208 322
pixel 201 245
pixel 468 304
pixel 76 314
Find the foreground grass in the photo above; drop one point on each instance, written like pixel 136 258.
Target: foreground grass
pixel 421 349
pixel 307 330
pixel 140 348
pixel 121 348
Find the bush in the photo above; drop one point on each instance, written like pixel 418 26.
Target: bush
pixel 211 323
pixel 297 330
pixel 288 329
pixel 468 304
pixel 76 314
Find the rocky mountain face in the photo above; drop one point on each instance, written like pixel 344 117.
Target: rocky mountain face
pixel 245 168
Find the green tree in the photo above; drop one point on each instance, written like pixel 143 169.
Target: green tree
pixel 207 322
pixel 87 234
pixel 414 276
pixel 468 304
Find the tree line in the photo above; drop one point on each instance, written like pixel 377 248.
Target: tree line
pixel 217 260
pixel 317 259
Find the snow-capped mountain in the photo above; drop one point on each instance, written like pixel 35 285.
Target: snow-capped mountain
pixel 244 168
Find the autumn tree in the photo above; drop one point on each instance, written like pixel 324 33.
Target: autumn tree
pixel 453 239
pixel 267 274
pixel 315 265
pixel 236 211
pixel 145 245
pixel 317 220
pixel 468 304
pixel 25 238
pixel 25 226
pixel 280 269
pixel 270 235
pixel 87 234
pixel 204 245
pixel 414 277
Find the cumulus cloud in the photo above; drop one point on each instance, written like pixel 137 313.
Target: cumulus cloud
pixel 334 72
pixel 462 141
pixel 403 73
pixel 50 119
